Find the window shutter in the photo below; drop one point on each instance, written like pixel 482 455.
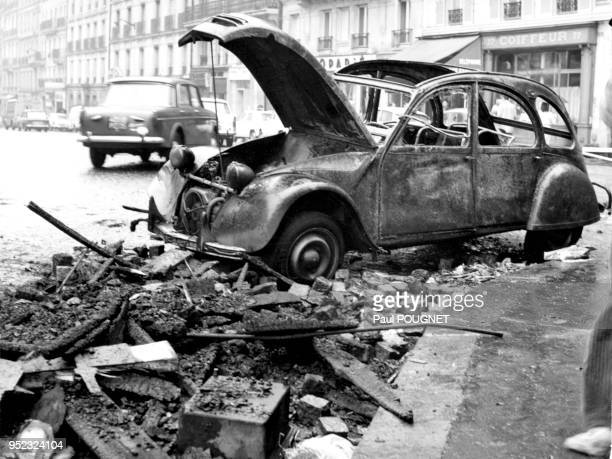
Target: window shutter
pixel 468 11
pixel 546 6
pixel 527 7
pixel 439 11
pixel 494 8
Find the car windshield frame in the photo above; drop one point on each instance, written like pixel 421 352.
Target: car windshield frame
pixel 150 98
pixel 380 131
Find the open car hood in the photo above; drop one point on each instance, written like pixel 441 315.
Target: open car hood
pixel 305 97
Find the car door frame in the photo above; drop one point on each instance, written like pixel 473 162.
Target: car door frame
pixel 467 155
pixel 528 156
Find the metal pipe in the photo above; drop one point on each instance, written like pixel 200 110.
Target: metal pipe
pixel 218 186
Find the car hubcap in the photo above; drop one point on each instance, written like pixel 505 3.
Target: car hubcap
pixel 312 255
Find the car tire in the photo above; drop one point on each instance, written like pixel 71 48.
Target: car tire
pixel 97 158
pixel 308 246
pixel 145 157
pixel 538 242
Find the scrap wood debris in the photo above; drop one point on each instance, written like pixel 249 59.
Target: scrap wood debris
pixel 85 338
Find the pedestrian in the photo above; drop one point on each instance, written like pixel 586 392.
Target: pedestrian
pixel 597 390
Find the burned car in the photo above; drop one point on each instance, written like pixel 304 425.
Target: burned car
pixel 145 115
pixel 468 154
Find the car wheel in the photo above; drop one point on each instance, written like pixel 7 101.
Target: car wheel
pixel 145 157
pixel 538 242
pixel 309 246
pixel 97 157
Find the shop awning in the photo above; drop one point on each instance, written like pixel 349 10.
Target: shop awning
pixel 435 49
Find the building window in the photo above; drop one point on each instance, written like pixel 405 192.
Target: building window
pixel 455 16
pixel 325 40
pixel 360 39
pixel 402 34
pixel 141 61
pixel 170 59
pixel 156 60
pixel 567 6
pixel 512 10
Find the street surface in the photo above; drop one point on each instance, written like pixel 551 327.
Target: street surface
pixel 53 170
pixel 516 397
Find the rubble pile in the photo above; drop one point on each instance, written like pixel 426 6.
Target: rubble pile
pixel 225 319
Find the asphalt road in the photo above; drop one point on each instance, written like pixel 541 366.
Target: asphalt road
pixel 53 170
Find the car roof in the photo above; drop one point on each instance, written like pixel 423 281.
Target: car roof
pixel 164 80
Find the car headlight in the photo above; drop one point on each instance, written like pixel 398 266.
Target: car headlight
pixel 181 157
pixel 239 175
pixel 142 131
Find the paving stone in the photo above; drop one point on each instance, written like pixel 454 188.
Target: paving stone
pixel 237 417
pixel 310 408
pixel 300 290
pixel 322 284
pixel 332 425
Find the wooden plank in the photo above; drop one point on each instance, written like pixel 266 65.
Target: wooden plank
pixel 271 299
pixel 159 266
pixel 351 369
pixel 107 432
pixel 147 386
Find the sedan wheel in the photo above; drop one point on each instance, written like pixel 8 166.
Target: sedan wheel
pixel 311 245
pixel 538 242
pixel 97 157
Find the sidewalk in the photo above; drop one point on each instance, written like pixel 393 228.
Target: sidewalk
pixel 514 397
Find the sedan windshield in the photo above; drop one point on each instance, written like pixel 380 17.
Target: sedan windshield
pixel 139 95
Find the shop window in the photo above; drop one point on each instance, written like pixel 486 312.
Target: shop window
pixel 556 131
pixel 506 122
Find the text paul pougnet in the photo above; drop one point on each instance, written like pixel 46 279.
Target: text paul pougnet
pixel 408 308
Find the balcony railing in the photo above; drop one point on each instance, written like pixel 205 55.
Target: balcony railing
pixel 61 22
pixel 69 46
pixel 101 40
pixel 325 43
pixel 567 6
pixel 115 32
pixel 359 40
pixel 155 25
pixel 169 22
pixel 181 19
pixel 77 45
pixel 401 36
pixel 47 24
pixel 512 10
pixel 455 16
pixel 127 30
pixel 212 7
pixel 139 28
pixel 55 54
pixel 86 43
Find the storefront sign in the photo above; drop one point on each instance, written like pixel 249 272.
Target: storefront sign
pixel 540 39
pixel 333 63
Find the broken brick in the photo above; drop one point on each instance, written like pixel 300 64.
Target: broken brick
pixel 326 313
pixel 310 408
pixel 332 425
pixel 61 259
pixel 155 249
pixel 361 351
pixel 342 275
pixel 267 287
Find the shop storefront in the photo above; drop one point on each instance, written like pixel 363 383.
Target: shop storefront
pixel 562 59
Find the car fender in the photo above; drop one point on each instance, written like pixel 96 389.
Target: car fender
pixel 251 219
pixel 563 198
pixel 175 127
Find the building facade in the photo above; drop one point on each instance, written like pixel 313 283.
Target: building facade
pixel 345 31
pixel 23 70
pixel 53 25
pixel 565 44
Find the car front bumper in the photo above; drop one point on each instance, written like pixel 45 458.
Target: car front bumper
pixel 135 140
